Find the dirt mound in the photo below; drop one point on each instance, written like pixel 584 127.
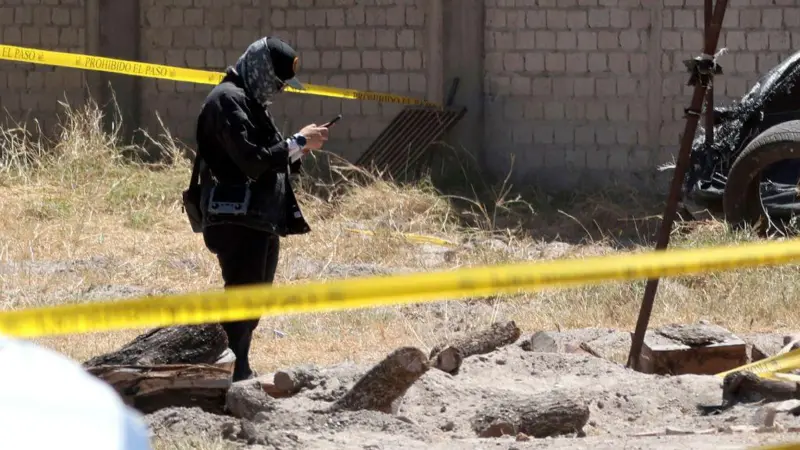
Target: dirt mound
pixel 439 410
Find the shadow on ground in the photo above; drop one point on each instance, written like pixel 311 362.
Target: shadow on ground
pixel 621 217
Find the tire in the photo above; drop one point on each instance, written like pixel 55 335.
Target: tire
pixel 742 197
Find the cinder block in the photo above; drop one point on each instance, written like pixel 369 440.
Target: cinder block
pixel 331 59
pixel 173 17
pixel 193 17
pixel 608 40
pixel 599 18
pixel 577 20
pixel 555 62
pixel 767 61
pixel 184 37
pixel 375 16
pixel 202 37
pixel 315 17
pixel 23 15
pixel 515 19
pixel 495 18
pixel 751 20
pixel 392 60
pixel 772 18
pixel 757 40
pixel 780 40
pixel 545 40
pixel 587 40
pixel 351 60
pixel 356 16
pixel 577 62
pixel 30 36
pixel 534 62
pixel 744 62
pixel 525 40
pixel 295 18
pixel 406 39
pixel 566 40
pixel 556 19
pixel 513 62
pixel 620 18
pixel 13 35
pixel 684 18
pixel 415 16
pixel 692 349
pixel 412 60
pixel 536 19
pixel 335 18
pixel 629 40
pixel 399 82
pixel 606 136
pixel 386 39
pixel 418 83
pixel 379 82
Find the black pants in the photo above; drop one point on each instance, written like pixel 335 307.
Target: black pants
pixel 245 256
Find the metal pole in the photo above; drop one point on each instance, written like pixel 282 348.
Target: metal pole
pixel 670 211
pixel 709 7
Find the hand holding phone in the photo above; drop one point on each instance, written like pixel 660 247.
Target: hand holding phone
pixel 333 121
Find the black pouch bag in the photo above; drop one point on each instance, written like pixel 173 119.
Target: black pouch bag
pixel 229 200
pixel 191 198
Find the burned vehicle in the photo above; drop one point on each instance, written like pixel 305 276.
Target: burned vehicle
pixel 751 170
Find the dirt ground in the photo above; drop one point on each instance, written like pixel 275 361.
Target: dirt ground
pixel 627 409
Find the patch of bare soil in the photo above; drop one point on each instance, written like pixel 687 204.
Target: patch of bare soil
pixel 626 409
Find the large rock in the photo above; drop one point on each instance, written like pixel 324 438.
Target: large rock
pixel 245 399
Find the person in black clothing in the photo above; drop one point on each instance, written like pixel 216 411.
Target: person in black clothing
pixel 246 200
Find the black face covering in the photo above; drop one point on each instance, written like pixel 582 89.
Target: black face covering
pixel 256 68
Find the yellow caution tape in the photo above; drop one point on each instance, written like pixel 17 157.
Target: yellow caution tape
pixel 419 238
pixel 768 367
pixel 158 71
pixel 787 377
pixel 785 446
pixel 257 301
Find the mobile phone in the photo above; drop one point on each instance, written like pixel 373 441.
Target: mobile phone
pixel 333 121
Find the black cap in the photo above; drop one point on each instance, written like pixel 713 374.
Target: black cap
pixel 284 61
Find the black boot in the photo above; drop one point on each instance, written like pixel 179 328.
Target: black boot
pixel 239 336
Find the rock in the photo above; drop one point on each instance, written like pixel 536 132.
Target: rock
pixel 542 342
pixel 765 416
pixel 612 346
pixel 695 335
pixel 245 399
pixel 291 381
pixel 497 428
pixel 568 341
pixel 762 345
pixel 786 406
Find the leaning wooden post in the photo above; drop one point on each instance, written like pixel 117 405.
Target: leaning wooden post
pixel 702 70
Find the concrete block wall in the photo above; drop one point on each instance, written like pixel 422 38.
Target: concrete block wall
pixel 596 88
pixel 757 36
pixel 207 35
pixel 573 90
pixel 358 44
pixel 29 91
pixel 567 85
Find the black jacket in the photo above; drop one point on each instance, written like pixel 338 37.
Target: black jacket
pixel 239 143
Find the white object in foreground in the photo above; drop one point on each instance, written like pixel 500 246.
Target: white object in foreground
pixel 48 401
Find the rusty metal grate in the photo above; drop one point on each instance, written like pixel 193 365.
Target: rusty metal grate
pixel 407 137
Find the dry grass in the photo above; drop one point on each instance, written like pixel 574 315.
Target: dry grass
pixel 77 199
